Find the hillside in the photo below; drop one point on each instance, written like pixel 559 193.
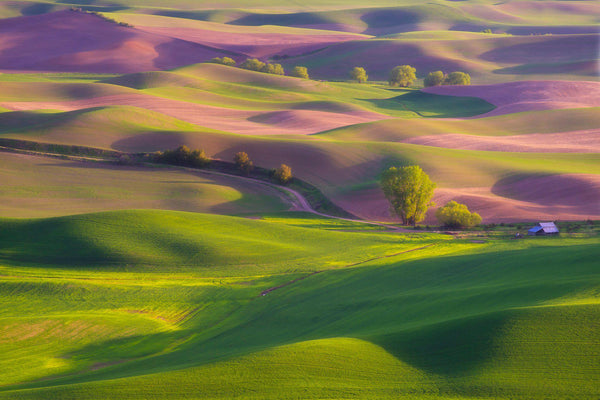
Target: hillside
pixel 338 136
pixel 434 36
pixel 143 256
pixel 453 320
pixel 81 42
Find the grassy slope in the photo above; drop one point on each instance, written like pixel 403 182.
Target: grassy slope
pixel 212 245
pixel 505 319
pixel 42 187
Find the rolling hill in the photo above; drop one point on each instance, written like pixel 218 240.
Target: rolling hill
pixel 338 136
pixel 123 277
pixel 456 319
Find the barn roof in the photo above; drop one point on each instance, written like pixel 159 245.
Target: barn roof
pixel 549 227
pixel 535 229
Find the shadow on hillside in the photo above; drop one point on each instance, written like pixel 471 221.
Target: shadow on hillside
pixel 452 349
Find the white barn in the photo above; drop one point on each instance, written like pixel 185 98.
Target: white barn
pixel 543 228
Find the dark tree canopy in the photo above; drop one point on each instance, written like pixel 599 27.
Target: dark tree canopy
pixel 403 76
pixel 409 191
pixel 359 74
pixel 456 215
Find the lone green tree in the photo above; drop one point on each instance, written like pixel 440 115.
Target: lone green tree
pixel 359 74
pixel 435 78
pixel 458 78
pixel 283 174
pixel 243 162
pixel 456 215
pixel 403 76
pixel 409 191
pixel 300 72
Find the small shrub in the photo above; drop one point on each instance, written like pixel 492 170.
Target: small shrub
pixel 457 78
pixel 300 72
pixel 275 69
pixel 283 174
pixel 359 74
pixel 243 162
pixel 456 215
pixel 125 159
pixel 224 61
pixel 435 78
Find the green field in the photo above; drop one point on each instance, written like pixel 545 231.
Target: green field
pixel 124 275
pixel 128 314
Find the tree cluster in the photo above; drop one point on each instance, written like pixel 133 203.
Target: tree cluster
pixel 405 75
pixel 300 72
pixel 254 64
pixel 281 175
pixel 437 78
pixel 456 215
pixel 183 156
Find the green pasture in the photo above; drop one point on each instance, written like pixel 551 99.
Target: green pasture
pixel 458 319
pixel 210 244
pixel 156 282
